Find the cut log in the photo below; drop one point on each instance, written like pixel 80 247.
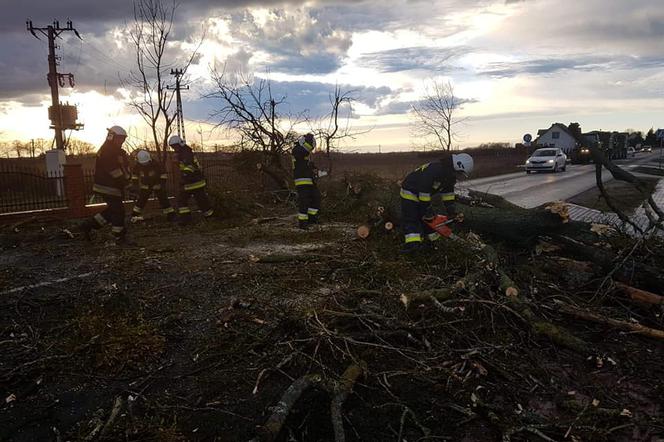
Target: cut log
pixel 363 231
pixel 621 325
pixel 640 295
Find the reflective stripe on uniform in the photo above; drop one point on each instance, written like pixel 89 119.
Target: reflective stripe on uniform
pixel 303 216
pixel 413 237
pixel 106 190
pixel 426 197
pixel 408 195
pixel 209 213
pixel 448 196
pixel 434 236
pixel 186 168
pixel 311 211
pixel 193 186
pixel 117 229
pixel 116 173
pixel 137 209
pixel 100 219
pixel 168 210
pixel 144 186
pixel 184 210
pixel 304 181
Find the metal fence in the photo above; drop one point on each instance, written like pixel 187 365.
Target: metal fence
pixel 24 188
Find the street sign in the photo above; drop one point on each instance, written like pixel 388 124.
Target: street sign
pixel 659 134
pixel 527 138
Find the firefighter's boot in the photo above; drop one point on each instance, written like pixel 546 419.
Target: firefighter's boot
pixel 86 228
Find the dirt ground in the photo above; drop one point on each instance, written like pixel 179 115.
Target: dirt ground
pixel 195 333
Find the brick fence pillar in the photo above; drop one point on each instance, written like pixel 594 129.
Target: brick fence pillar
pixel 75 190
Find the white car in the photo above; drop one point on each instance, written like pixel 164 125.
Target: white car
pixel 548 158
pixel 631 152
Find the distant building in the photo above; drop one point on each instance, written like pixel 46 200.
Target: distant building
pixel 558 135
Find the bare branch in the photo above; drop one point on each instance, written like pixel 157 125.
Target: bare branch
pixel 436 115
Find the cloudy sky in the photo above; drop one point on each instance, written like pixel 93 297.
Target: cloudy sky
pixel 520 64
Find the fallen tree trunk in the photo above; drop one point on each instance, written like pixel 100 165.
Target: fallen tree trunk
pixel 519 226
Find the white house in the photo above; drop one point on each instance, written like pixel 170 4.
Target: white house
pixel 556 136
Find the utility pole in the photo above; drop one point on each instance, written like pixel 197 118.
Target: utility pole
pixel 62 116
pixel 179 117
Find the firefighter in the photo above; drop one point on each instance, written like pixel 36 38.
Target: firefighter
pixel 111 178
pixel 417 190
pixel 192 181
pixel 148 176
pixel 304 172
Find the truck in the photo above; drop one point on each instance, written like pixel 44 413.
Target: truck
pixel 613 144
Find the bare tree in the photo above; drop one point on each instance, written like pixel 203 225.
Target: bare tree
pixel 251 111
pixel 336 126
pixel 79 147
pixel 150 35
pixel 436 115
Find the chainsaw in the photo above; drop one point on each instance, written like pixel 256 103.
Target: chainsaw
pixel 439 224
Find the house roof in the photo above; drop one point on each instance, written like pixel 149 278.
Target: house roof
pixel 559 126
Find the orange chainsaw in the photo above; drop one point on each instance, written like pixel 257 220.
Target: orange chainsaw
pixel 439 224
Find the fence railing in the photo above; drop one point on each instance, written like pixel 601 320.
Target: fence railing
pixel 23 189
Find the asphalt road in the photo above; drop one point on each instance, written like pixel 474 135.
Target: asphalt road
pixel 538 188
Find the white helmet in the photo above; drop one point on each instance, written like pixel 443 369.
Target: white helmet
pixel 115 131
pixel 143 157
pixel 175 140
pixel 307 139
pixel 463 163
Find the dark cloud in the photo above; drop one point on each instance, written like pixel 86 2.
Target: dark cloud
pixel 545 66
pixel 413 58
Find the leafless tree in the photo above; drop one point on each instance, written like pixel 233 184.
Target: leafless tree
pixel 79 147
pixel 436 115
pixel 250 110
pixel 150 35
pixel 336 126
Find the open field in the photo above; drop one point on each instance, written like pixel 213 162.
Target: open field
pixel 196 333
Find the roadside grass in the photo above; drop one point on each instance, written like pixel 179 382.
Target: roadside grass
pixel 624 195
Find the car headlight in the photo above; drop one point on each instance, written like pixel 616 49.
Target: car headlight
pixel 584 151
pixel 551 161
pixel 527 161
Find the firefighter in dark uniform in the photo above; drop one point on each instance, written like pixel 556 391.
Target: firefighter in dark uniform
pixel 417 190
pixel 192 180
pixel 111 178
pixel 148 176
pixel 304 172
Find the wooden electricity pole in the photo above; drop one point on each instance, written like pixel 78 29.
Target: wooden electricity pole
pixel 58 121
